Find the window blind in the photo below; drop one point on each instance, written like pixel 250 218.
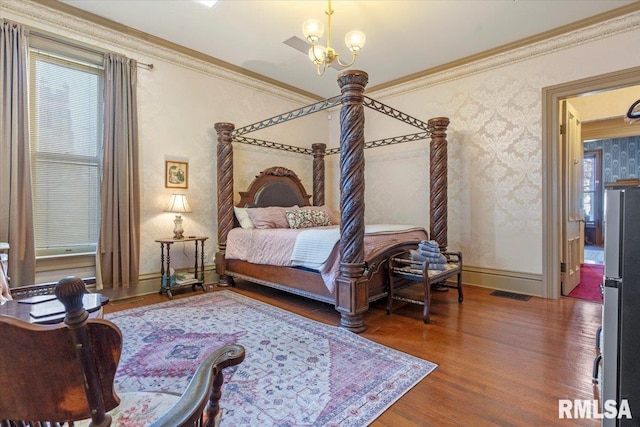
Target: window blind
pixel 66 141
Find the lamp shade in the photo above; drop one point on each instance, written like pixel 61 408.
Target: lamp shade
pixel 316 54
pixel 355 40
pixel 312 30
pixel 178 203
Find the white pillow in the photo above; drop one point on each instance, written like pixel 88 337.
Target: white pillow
pixel 243 217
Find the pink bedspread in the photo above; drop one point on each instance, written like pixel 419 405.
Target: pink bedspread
pixel 275 246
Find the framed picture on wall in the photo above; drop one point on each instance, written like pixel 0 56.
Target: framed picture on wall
pixel 176 174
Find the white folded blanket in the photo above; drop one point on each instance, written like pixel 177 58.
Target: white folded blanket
pixel 313 247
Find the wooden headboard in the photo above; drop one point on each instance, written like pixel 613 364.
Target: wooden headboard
pixel 275 186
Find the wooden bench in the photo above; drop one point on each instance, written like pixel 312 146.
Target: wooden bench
pixel 401 267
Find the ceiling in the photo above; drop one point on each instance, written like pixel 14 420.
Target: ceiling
pixel 403 37
pixel 605 105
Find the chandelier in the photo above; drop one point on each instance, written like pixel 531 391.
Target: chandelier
pixel 323 56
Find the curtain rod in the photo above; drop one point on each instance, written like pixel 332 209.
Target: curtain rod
pixel 80 46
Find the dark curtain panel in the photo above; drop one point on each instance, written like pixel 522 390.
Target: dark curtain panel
pixel 119 242
pixel 16 210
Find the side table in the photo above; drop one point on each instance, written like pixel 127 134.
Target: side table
pixel 168 281
pixel 47 309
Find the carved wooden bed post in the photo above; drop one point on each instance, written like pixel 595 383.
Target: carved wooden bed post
pixel 225 196
pixel 352 298
pixel 438 181
pixel 318 173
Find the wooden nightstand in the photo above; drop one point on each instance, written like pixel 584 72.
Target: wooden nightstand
pixel 168 281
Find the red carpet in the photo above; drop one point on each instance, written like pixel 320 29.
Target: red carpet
pixel 591 276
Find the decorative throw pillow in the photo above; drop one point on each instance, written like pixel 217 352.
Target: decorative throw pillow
pixel 305 218
pixel 271 217
pixel 243 217
pixel 335 219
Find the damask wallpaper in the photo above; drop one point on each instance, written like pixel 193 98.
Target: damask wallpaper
pixel 495 185
pixel 495 173
pixel 179 101
pixel 620 157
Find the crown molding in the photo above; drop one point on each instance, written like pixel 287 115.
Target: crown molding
pixel 63 18
pixel 483 62
pixel 91 29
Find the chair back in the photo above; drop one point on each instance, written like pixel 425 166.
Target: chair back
pixel 62 372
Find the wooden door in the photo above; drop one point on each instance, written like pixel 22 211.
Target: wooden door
pixel 572 241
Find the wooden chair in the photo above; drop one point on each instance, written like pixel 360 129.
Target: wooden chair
pixel 64 373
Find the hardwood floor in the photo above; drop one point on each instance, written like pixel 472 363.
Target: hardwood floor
pixel 501 361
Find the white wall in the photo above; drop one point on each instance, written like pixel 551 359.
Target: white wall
pixel 495 152
pixel 179 101
pixel 177 110
pixel 495 144
pixel 605 105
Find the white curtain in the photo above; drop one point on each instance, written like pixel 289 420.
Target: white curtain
pixel 118 255
pixel 16 210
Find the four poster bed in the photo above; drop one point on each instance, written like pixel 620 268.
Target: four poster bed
pixel 355 271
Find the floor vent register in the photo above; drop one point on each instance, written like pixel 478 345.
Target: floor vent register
pixel 511 295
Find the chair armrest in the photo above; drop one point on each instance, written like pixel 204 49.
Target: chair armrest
pixel 203 390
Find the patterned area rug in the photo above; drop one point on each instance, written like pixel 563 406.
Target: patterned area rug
pixel 297 372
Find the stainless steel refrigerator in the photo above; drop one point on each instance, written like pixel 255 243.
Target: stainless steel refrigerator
pixel 621 312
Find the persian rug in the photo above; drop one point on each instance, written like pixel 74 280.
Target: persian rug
pixel 591 277
pixel 297 372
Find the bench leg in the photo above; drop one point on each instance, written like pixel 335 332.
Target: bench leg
pixel 427 298
pixel 391 286
pixel 460 288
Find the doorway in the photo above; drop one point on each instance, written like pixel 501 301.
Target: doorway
pixel 617 143
pixel 552 165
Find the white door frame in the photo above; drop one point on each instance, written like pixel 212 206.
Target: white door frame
pixel 551 174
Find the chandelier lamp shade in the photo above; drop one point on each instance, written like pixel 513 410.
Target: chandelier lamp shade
pixel 178 205
pixel 322 56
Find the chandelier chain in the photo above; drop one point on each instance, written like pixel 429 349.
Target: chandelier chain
pixel 323 56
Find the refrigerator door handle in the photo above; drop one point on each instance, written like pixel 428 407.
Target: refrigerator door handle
pixel 596 369
pixel 612 283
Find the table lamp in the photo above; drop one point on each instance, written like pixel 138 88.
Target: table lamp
pixel 178 204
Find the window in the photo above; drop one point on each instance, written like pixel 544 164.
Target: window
pixel 592 197
pixel 589 187
pixel 66 149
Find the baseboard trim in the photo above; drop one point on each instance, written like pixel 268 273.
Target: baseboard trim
pixel 523 283
pixel 149 283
